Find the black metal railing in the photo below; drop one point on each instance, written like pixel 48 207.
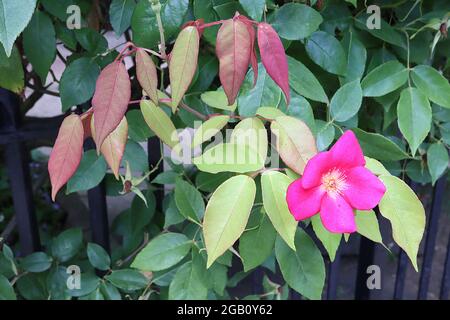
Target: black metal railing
pixel 14 133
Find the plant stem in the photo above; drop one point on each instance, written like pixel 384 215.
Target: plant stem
pixel 156 7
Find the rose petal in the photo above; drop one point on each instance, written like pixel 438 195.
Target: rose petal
pixel 346 152
pixel 317 166
pixel 364 190
pixel 303 203
pixel 337 216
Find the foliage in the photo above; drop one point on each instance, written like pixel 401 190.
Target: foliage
pixel 301 73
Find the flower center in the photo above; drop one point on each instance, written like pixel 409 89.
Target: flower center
pixel 334 182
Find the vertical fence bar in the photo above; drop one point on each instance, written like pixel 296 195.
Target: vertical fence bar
pixel 445 282
pixel 98 211
pixel 333 276
pixel 401 275
pixel 154 155
pixel 366 258
pixel 430 242
pixel 19 176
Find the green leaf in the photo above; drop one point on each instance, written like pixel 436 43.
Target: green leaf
pixel 325 134
pixel 36 262
pixel 89 282
pixel 295 142
pixel 269 113
pixel 432 84
pixel 379 147
pixel 109 291
pixel 375 166
pixel 127 279
pixel 356 56
pixel 209 129
pixel 346 101
pixel 404 210
pixel 384 79
pixel 256 244
pixel 326 51
pixel 12 66
pixel 209 181
pixel 39 43
pixel 189 200
pixel 120 13
pixel 14 17
pixel 264 93
pixel 254 8
pixel 251 132
pixel 186 285
pixel 142 211
pixel 172 214
pixel 301 109
pixel 304 81
pixel 144 25
pixel 166 177
pixel 437 159
pixel 136 156
pixel 6 289
pixel 303 270
pixel 386 32
pixel 78 82
pixel 367 225
pixel 91 41
pixel 67 244
pixel 229 157
pixel 163 252
pixel 274 186
pixel 98 257
pixel 160 123
pixel 57 8
pixel 329 240
pixel 137 127
pixel 217 99
pixel 227 214
pixel 414 117
pixel 90 173
pixel 287 21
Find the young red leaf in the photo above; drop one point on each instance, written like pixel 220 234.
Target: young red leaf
pixel 66 154
pixel 253 58
pixel 273 57
pixel 146 74
pixel 112 94
pixel 233 47
pixel 183 63
pixel 114 145
pixel 86 120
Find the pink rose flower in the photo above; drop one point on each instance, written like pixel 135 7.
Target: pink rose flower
pixel 334 183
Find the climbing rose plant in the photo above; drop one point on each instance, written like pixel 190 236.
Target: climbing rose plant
pixel 264 73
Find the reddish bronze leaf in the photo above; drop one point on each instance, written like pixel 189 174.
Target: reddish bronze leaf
pixel 114 145
pixel 66 154
pixel 146 74
pixel 112 94
pixel 86 120
pixel 273 57
pixel 233 48
pixel 253 58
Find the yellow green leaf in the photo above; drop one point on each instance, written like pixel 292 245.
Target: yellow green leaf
pixel 183 63
pixel 404 210
pixel 226 215
pixel 160 123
